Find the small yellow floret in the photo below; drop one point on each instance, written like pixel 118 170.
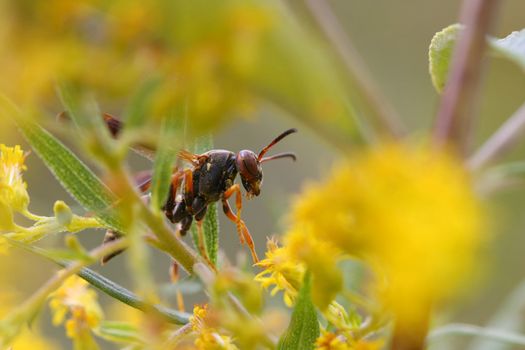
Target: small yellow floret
pixel 208 338
pixel 13 192
pixel 282 270
pixel 75 297
pixel 332 341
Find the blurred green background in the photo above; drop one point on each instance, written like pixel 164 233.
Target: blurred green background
pixel 393 38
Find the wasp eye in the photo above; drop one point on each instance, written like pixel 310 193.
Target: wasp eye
pixel 248 165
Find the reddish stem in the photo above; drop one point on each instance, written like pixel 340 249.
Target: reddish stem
pixel 455 113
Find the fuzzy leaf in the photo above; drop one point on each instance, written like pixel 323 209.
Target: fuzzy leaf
pixel 121 332
pixel 70 171
pixel 304 326
pixel 137 110
pixel 210 226
pixel 164 159
pixel 440 54
pixel 511 47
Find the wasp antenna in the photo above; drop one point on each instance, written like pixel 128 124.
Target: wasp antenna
pixel 279 156
pixel 277 139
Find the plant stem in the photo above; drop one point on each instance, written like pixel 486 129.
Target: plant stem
pixel 455 114
pixel 176 336
pixel 471 330
pixel 22 314
pixel 177 249
pixel 502 140
pixel 111 288
pixel 387 117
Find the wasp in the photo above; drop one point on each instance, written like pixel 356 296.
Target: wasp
pixel 210 178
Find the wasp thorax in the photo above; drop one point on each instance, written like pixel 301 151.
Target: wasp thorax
pixel 250 171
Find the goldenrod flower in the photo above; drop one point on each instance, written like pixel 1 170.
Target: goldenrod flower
pixel 320 257
pixel 77 299
pixel 410 212
pixel 282 270
pixel 208 337
pixel 332 341
pixel 13 192
pixel 284 267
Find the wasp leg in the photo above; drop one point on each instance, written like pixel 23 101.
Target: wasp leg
pixel 185 224
pixel 173 210
pixel 242 230
pixel 110 237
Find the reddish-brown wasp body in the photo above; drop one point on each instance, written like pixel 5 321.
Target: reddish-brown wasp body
pixel 211 178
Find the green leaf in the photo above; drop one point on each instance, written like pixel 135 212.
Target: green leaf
pixel 70 171
pixel 442 45
pixel 111 288
pixel 121 332
pixel 165 159
pixel 440 54
pixel 84 113
pixel 304 326
pixel 137 111
pixel 497 336
pixel 210 226
pixel 511 47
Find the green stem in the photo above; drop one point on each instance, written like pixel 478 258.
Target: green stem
pixel 16 319
pixel 501 141
pixel 385 114
pixel 176 336
pixel 178 250
pixel 112 289
pixel 455 115
pixel 471 330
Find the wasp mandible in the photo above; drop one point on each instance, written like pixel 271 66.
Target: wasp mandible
pixel 211 178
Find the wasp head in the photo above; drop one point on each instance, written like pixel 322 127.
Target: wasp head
pixel 249 164
pixel 250 171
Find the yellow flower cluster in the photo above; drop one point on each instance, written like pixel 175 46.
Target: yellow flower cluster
pixel 13 189
pixel 332 341
pixel 410 212
pixel 282 271
pixel 77 299
pixel 208 338
pixel 165 40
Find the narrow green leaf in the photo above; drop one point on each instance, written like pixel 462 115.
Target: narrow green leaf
pixel 509 318
pixel 83 112
pixel 111 288
pixel 70 171
pixel 304 326
pixel 165 158
pixel 121 332
pixel 137 110
pixel 87 117
pixel 512 47
pixel 210 226
pixel 495 335
pixel 68 254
